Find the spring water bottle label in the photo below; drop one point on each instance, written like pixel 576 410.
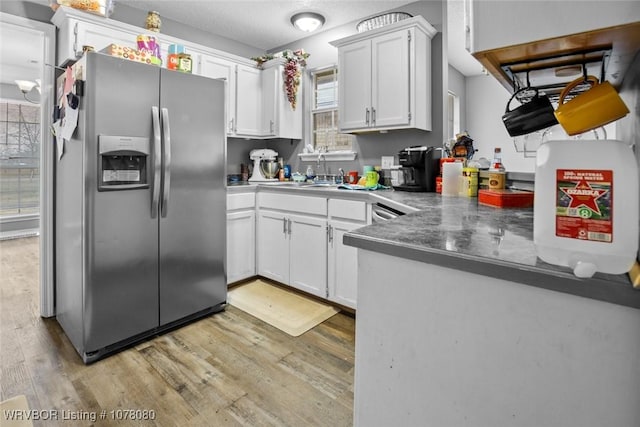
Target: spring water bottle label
pixel 584 204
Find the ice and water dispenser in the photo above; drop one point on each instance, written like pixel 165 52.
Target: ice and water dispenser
pixel 123 162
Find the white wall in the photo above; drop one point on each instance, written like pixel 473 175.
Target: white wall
pixel 485 105
pixel 183 31
pixel 457 85
pixel 129 15
pixel 628 128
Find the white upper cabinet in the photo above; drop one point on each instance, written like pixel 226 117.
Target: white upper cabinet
pixel 77 29
pixel 279 118
pixel 384 77
pixel 248 102
pixel 389 83
pixel 220 68
pixel 354 85
pixel 495 24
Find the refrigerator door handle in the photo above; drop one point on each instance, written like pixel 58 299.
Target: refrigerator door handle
pixel 157 161
pixel 166 171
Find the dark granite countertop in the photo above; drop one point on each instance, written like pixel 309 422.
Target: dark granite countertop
pixel 459 233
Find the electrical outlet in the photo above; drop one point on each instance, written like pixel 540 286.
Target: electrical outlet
pixel 387 162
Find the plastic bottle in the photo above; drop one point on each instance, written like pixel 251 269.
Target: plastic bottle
pixel 451 178
pixel 470 182
pixel 280 169
pixel 586 206
pixel 497 174
pixel 496 163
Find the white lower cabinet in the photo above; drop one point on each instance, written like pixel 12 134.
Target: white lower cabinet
pixel 292 241
pixel 273 246
pixel 241 237
pixel 299 243
pixel 342 264
pixel 308 254
pixel 291 250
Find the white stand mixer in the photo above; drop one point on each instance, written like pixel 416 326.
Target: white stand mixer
pixel 259 155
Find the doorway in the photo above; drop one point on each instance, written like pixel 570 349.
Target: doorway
pixel 28 154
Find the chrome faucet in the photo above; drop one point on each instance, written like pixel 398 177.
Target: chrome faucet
pixel 322 155
pixel 340 179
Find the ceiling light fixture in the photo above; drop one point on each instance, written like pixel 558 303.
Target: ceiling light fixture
pixel 307 21
pixel 25 87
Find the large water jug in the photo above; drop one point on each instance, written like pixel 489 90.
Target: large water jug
pixel 586 205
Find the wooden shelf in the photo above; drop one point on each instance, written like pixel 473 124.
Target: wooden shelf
pixel 607 54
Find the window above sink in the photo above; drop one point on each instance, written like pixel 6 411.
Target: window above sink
pixel 324 137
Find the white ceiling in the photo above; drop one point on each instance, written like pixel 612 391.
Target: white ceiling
pixel 19 61
pixel 264 24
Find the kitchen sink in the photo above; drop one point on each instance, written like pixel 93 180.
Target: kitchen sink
pixel 305 184
pixel 323 184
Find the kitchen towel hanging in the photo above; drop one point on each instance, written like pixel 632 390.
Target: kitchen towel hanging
pixel 591 109
pixel 529 117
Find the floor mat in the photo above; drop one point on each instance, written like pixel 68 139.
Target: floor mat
pixel 15 412
pixel 288 311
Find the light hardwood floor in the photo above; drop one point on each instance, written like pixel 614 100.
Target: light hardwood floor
pixel 229 369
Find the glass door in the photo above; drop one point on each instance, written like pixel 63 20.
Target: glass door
pixel 19 163
pixel 27 52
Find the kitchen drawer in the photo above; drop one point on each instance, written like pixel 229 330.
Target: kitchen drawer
pixel 348 209
pixel 293 203
pixel 241 201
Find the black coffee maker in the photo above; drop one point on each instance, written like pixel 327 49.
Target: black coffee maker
pixel 420 166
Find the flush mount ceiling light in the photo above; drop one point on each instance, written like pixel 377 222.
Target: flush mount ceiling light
pixel 307 21
pixel 25 87
pixel 381 20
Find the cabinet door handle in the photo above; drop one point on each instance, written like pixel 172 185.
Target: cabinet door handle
pixel 367 116
pixel 271 126
pixel 231 125
pixel 330 234
pixel 289 222
pixel 373 116
pixel 284 225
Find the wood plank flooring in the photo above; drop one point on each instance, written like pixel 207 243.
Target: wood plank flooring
pixel 229 369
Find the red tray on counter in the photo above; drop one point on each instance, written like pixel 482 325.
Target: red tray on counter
pixel 506 198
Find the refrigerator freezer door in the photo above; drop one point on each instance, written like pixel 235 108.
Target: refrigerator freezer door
pixel 121 249
pixel 193 231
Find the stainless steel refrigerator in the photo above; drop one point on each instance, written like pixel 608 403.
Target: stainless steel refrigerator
pixel 140 205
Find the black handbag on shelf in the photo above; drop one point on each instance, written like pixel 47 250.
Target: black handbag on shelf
pixel 529 117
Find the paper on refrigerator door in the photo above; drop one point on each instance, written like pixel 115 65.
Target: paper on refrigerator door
pixel 69 122
pixel 57 134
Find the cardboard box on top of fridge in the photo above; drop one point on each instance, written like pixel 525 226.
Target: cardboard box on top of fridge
pixel 98 7
pixel 178 59
pixel 176 49
pixel 131 54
